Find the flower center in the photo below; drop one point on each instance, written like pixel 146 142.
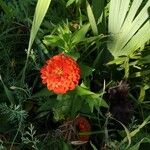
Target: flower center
pixel 58 71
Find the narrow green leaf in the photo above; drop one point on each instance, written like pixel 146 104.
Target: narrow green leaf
pixel 128 137
pixel 142 94
pixel 8 92
pixel 137 145
pixel 5 7
pixel 70 2
pixel 91 19
pixel 93 146
pixel 40 11
pixel 133 133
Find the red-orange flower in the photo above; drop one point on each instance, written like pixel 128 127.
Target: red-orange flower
pixel 84 126
pixel 61 73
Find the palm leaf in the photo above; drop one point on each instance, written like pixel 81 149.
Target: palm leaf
pixel 129 26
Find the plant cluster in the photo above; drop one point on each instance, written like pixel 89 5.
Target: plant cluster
pixel 74 74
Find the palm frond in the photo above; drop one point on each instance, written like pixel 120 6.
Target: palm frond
pixel 129 26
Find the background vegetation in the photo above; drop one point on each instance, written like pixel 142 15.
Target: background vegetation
pixel 110 42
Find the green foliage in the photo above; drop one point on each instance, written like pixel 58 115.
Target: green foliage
pixel 127 23
pixel 91 19
pixel 65 40
pixel 93 99
pixel 40 11
pixel 1 145
pixel 91 32
pixel 14 113
pixel 29 137
pixel 8 92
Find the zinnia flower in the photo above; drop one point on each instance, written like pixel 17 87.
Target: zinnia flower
pixel 61 73
pixel 84 126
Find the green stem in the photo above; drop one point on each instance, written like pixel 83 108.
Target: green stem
pixel 11 147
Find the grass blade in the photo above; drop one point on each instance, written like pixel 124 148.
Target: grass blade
pixel 133 133
pixel 91 19
pixel 40 12
pixel 70 2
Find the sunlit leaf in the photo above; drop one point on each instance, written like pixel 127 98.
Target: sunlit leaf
pixel 91 19
pixel 127 24
pixel 40 12
pixel 70 2
pixel 79 35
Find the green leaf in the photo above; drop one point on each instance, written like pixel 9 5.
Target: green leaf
pixel 117 13
pixel 137 145
pixel 129 27
pixel 84 91
pixel 128 137
pixel 52 40
pixel 86 70
pixel 95 102
pixel 93 146
pixel 142 94
pixel 117 61
pixel 140 73
pixel 91 18
pixel 8 92
pixel 70 2
pixel 79 35
pixel 134 132
pixel 98 8
pixel 48 105
pixel 40 11
pixel 62 109
pixel 144 60
pixel 43 93
pixel 5 7
pixel 93 99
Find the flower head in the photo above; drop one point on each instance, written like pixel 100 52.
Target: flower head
pixel 61 73
pixel 84 126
